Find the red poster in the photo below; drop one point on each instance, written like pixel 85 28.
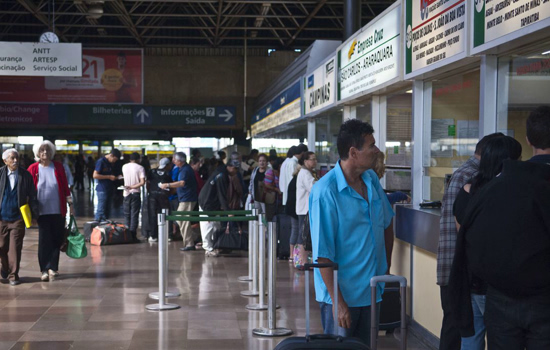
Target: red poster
pixel 108 76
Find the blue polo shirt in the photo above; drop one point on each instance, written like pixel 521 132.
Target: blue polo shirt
pixel 348 230
pixel 187 193
pixel 103 167
pixel 175 174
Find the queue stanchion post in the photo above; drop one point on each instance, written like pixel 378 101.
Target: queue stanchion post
pixel 261 305
pixel 272 330
pixel 162 242
pixel 253 237
pixel 250 223
pixel 167 293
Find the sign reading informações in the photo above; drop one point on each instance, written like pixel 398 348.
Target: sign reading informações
pixel 282 109
pixel 319 87
pixel 372 57
pixel 40 59
pixel 436 31
pixel 494 19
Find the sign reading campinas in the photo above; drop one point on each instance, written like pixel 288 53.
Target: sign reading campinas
pixel 370 58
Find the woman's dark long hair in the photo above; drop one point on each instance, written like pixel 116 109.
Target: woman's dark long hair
pixel 494 152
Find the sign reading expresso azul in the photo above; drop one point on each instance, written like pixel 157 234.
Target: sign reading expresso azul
pixel 371 58
pixel 494 19
pixel 40 59
pixel 105 115
pixel 319 89
pixel 284 108
pixel 436 33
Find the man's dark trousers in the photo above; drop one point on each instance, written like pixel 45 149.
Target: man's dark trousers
pixel 156 202
pixel 450 336
pixel 132 206
pixel 11 244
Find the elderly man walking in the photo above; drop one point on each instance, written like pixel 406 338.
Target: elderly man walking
pixel 16 190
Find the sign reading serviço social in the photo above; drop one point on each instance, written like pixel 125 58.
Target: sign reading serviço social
pixel 372 57
pixel 436 32
pixel 282 109
pixel 40 59
pixel 494 19
pixel 319 87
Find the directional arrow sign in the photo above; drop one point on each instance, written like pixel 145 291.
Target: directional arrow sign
pixel 142 115
pixel 227 115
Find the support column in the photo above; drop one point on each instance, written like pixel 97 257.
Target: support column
pixel 311 135
pixel 488 95
pixel 352 17
pixel 418 141
pixel 350 112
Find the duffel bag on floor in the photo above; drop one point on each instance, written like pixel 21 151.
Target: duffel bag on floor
pixel 111 233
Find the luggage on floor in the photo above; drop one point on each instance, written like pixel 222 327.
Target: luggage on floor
pixel 391 280
pixel 110 234
pixel 232 240
pixel 89 227
pixel 321 341
pixel 284 229
pixel 390 308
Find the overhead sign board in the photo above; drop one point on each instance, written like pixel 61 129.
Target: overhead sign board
pixel 284 108
pixel 506 20
pixel 436 34
pixel 319 87
pixel 372 57
pixel 106 76
pixel 119 115
pixel 40 59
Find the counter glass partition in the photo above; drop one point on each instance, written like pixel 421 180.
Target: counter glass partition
pixel 452 130
pixel 523 84
pixel 326 133
pixel 398 141
pixel 364 112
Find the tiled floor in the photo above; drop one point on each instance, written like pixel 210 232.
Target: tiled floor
pixel 99 302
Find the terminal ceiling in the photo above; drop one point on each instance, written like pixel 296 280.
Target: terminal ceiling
pixel 270 24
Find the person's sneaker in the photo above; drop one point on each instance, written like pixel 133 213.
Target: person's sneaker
pixel 214 253
pixel 170 239
pixel 4 274
pixel 186 249
pixel 14 282
pixel 53 273
pixel 152 240
pixel 45 276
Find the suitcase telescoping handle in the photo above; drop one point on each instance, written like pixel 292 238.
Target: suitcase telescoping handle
pixel 403 292
pixel 307 268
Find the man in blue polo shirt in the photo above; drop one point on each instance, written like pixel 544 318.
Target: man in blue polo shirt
pixel 103 173
pixel 351 225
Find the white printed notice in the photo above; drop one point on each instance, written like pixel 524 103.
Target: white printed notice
pixel 495 18
pixel 372 57
pixel 40 59
pixel 435 32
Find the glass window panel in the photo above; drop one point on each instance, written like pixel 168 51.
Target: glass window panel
pixel 326 133
pixel 399 142
pixel 364 112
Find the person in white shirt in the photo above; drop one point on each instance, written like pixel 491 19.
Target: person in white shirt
pixel 304 183
pixel 134 178
pixel 289 167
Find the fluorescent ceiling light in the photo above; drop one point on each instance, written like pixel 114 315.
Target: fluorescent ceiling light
pixel 409 91
pixel 546 53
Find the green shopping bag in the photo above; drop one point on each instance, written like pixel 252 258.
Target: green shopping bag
pixel 76 247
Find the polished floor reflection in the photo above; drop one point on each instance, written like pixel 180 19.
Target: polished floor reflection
pixel 99 302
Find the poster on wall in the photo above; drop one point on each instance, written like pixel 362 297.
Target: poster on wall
pixel 371 58
pixel 282 109
pixel 493 20
pixel 319 87
pixel 436 34
pixel 108 76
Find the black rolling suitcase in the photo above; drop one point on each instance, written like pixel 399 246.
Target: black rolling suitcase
pixel 390 308
pixel 321 341
pixel 284 229
pixel 392 281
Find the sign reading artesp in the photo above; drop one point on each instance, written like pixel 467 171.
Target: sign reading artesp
pixel 40 59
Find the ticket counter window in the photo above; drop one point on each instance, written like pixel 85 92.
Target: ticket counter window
pixel 326 134
pixel 399 142
pixel 364 112
pixel 523 84
pixel 453 131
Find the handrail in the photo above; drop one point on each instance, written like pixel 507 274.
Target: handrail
pixel 211 218
pixel 217 212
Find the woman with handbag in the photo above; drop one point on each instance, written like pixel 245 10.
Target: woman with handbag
pixel 304 183
pixel 53 195
pixel 256 187
pixel 272 193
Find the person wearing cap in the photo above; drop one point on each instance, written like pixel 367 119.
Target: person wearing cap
pixel 158 187
pixel 105 188
pixel 213 197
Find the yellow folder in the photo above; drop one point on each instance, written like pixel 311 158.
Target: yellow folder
pixel 27 216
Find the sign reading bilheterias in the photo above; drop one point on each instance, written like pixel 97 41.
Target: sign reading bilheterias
pixel 40 59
